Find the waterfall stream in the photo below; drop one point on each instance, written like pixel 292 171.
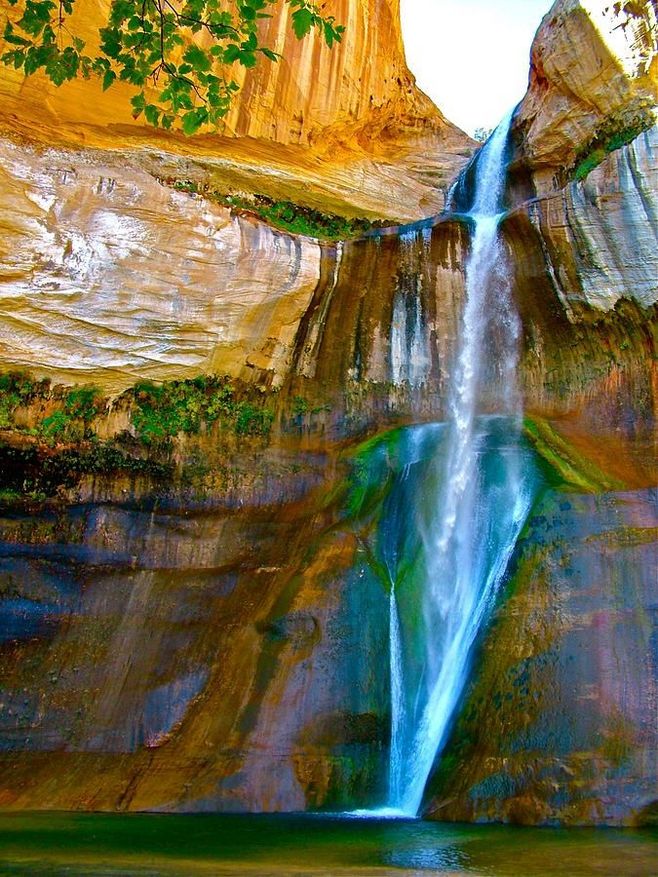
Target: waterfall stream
pixel 457 512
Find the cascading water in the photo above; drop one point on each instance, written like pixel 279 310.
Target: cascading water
pixel 454 520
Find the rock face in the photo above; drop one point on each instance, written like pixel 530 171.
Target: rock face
pixel 607 227
pixel 559 723
pixel 591 61
pixel 208 660
pixel 347 125
pixel 109 276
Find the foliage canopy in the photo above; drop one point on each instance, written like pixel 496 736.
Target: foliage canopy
pixel 178 54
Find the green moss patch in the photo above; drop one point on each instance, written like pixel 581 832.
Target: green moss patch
pixel 158 412
pixel 615 132
pixel 16 389
pixel 285 215
pixel 564 466
pixel 161 411
pixel 50 434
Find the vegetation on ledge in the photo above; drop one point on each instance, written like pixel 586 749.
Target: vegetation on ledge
pixel 157 412
pixel 285 215
pixel 49 436
pixel 162 411
pixel 612 134
pixel 33 473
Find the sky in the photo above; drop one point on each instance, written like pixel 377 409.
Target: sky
pixel 471 56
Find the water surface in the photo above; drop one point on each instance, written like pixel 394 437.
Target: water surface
pixel 277 846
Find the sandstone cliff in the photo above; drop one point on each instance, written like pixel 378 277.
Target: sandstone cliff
pixel 346 125
pixel 592 63
pixel 109 276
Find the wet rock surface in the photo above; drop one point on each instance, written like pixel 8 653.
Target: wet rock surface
pixel 559 723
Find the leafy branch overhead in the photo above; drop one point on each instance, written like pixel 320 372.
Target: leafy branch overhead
pixel 178 54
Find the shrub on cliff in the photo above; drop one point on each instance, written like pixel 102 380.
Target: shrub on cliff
pixel 161 411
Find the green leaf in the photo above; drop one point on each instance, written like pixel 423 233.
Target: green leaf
pixel 111 42
pixel 152 114
pixel 108 78
pixel 17 58
pixel 197 58
pixel 120 11
pixel 10 37
pixel 138 102
pixel 270 54
pixel 192 121
pixel 231 53
pixel 247 59
pixel 302 21
pixel 36 16
pixel 37 57
pixel 251 43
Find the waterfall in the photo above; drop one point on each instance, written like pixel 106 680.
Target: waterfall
pixel 397 700
pixel 410 361
pixel 471 501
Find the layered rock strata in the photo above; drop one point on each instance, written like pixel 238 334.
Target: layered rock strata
pixel 97 288
pixel 193 660
pixel 347 125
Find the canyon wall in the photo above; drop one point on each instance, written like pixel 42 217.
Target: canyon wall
pixel 97 288
pixel 344 127
pixel 207 627
pixel 593 65
pixel 240 611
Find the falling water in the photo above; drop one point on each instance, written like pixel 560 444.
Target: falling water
pixel 397 699
pixel 410 361
pixel 464 527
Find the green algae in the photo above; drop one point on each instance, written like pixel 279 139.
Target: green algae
pixel 566 468
pixel 372 464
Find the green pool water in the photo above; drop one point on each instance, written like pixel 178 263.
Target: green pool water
pixel 274 846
